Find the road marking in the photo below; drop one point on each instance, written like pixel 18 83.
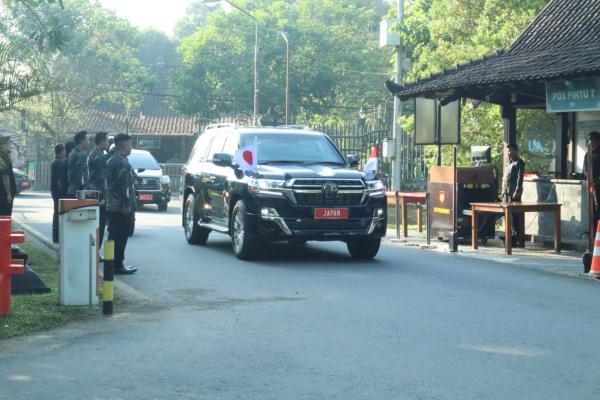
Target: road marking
pixel 507 351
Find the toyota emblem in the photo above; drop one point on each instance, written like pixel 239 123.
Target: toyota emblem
pixel 330 190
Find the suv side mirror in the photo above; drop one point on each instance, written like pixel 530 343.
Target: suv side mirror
pixel 353 161
pixel 222 160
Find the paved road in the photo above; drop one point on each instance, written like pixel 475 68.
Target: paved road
pixel 309 323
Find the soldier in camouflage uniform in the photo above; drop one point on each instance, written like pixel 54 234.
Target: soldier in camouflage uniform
pixel 78 168
pixel 97 176
pixel 120 201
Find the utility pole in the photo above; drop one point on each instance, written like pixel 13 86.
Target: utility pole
pixel 397 165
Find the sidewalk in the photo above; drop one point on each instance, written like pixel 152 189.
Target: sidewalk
pixel 534 256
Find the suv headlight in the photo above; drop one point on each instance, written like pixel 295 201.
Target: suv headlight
pixel 266 186
pixel 375 188
pixel 165 180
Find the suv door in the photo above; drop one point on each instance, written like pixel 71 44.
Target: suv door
pixel 213 179
pixel 193 172
pixel 220 185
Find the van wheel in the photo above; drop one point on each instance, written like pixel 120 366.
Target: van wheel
pixel 194 234
pixel 163 206
pixel 364 248
pixel 244 246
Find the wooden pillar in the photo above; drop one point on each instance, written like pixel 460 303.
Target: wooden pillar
pixel 562 142
pixel 183 148
pixel 509 117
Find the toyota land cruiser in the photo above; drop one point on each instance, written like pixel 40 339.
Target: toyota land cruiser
pixel 303 189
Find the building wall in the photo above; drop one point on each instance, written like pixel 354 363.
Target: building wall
pixel 574 213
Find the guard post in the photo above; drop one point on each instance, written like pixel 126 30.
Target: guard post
pixel 109 276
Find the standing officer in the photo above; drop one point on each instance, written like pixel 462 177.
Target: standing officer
pixel 58 184
pixel 78 169
pixel 512 187
pixel 594 179
pixel 97 176
pixel 120 200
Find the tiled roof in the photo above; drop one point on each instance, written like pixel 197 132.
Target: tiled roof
pixel 95 120
pixel 562 41
pixel 154 117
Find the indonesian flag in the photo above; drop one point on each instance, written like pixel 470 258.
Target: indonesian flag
pixel 247 158
pixel 372 164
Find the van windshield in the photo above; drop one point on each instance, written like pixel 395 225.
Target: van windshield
pixel 142 160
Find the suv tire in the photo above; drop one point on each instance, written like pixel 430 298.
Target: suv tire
pixel 364 248
pixel 244 246
pixel 193 233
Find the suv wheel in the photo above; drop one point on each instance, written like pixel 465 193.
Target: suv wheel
pixel 163 205
pixel 244 246
pixel 364 248
pixel 193 233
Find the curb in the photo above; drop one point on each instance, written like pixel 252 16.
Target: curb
pixel 38 236
pixel 53 248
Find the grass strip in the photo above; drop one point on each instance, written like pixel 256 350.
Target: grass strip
pixel 37 312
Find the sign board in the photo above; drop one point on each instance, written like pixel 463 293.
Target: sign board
pixel 388 37
pixel 148 142
pixel 435 124
pixel 573 95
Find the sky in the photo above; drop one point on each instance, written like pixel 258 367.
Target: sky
pixel 159 14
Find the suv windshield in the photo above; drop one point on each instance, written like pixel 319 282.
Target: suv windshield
pixel 297 148
pixel 142 160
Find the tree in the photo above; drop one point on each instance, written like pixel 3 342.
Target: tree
pixel 442 33
pixel 336 62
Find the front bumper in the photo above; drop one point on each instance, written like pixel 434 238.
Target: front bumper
pixel 276 219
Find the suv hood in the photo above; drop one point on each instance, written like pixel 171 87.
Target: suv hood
pixel 149 173
pixel 291 171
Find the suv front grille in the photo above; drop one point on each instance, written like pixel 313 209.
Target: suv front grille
pixel 319 199
pixel 311 192
pixel 148 184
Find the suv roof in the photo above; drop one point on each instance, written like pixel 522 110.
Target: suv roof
pixel 286 129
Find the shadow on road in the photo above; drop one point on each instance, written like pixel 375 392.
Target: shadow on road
pixel 313 255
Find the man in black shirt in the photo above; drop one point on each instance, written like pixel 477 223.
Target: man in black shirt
pixel 120 201
pixel 78 168
pixel 58 184
pixel 97 176
pixel 8 186
pixel 594 179
pixel 512 187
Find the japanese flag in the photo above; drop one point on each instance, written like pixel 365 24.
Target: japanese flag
pixel 247 158
pixel 372 164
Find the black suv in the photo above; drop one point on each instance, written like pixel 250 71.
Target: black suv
pixel 304 189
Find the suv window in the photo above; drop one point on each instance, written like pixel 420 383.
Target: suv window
pixel 216 146
pixel 231 145
pixel 200 148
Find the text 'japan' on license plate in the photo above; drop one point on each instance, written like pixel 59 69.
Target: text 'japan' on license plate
pixel 145 197
pixel 331 213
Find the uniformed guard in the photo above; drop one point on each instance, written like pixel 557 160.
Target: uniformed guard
pixel 512 189
pixel 58 184
pixel 97 161
pixel 120 200
pixel 594 143
pixel 78 168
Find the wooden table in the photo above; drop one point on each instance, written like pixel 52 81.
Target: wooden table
pixel 508 209
pixel 405 198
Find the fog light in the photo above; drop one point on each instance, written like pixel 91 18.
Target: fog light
pixel 380 212
pixel 268 212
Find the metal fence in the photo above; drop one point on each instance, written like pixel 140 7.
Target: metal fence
pixel 358 139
